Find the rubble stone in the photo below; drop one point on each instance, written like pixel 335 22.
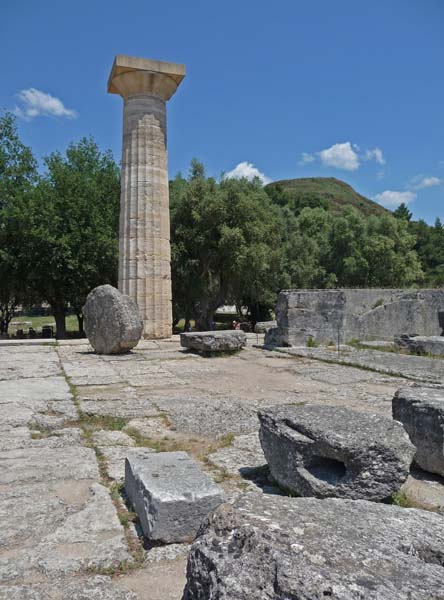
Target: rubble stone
pixel 214 341
pixel 327 451
pixel 112 321
pixel 280 548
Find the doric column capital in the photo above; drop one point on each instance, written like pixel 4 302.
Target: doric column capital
pixel 131 76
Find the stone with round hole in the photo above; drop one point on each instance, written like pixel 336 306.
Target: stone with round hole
pixel 326 451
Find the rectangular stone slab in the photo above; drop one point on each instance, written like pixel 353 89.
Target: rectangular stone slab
pixel 170 494
pixel 214 341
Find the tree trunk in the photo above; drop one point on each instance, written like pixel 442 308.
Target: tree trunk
pixel 80 323
pixel 204 310
pixel 59 312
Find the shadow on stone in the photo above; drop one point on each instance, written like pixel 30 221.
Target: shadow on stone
pixel 327 469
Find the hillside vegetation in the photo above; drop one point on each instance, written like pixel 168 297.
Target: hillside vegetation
pixel 326 192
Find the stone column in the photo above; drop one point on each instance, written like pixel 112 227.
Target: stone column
pixel 144 239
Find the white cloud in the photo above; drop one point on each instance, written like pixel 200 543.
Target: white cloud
pixel 340 156
pixel 424 182
pixel 393 199
pixel 375 154
pixel 306 159
pixel 247 170
pixel 346 156
pixel 36 103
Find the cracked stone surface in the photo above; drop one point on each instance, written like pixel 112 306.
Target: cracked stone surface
pixel 112 438
pixel 115 459
pixel 57 521
pixel 418 368
pixel 281 548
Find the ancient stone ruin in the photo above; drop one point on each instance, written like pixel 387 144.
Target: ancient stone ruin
pixel 171 495
pixel 209 342
pixel 144 239
pixel 354 314
pixel 280 548
pixel 325 451
pixel 421 411
pixel 112 321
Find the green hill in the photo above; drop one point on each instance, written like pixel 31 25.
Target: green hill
pixel 331 192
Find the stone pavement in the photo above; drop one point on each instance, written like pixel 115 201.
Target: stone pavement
pixel 417 368
pixel 68 418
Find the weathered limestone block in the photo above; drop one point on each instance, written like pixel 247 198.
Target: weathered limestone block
pixel 264 326
pixel 421 344
pixel 170 494
pixel 327 451
pixel 112 321
pixel 280 548
pixel 421 411
pixel 214 341
pixel 144 239
pixel 344 314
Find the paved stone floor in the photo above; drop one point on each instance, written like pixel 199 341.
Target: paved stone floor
pixel 69 417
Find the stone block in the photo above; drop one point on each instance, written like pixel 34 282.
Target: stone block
pixel 170 494
pixel 421 411
pixel 112 321
pixel 327 451
pixel 214 341
pixel 344 314
pixel 421 344
pixel 277 548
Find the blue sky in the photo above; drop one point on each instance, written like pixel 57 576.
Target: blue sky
pixel 292 88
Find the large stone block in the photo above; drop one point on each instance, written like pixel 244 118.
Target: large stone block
pixel 170 494
pixel 112 321
pixel 421 411
pixel 344 314
pixel 276 548
pixel 421 344
pixel 327 451
pixel 214 341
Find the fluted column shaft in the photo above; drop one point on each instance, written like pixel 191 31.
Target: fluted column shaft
pixel 144 241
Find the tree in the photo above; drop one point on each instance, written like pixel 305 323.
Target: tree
pixel 18 175
pixel 226 245
pixel 72 240
pixel 350 250
pixel 430 249
pixel 402 212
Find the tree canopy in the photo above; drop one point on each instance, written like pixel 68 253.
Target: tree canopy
pixel 18 175
pixel 72 239
pixel 226 245
pixel 59 230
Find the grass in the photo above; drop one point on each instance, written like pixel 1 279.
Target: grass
pixel 226 440
pixel 400 499
pixel 379 302
pixel 38 322
pixel 312 343
pixel 96 422
pixel 89 424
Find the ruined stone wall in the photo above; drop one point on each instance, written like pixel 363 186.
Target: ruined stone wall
pixel 345 314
